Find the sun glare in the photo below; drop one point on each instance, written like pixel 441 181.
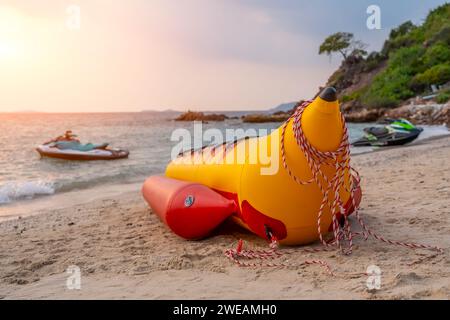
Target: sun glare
pixel 7 50
pixel 11 23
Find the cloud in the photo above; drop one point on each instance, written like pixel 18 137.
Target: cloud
pixel 229 30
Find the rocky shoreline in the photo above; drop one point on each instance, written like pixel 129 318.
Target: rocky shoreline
pixel 416 111
pixel 429 114
pixel 263 118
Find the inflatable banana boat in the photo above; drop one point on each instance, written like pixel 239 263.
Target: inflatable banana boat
pixel 302 193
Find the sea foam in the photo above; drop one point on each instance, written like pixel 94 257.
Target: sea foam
pixel 14 190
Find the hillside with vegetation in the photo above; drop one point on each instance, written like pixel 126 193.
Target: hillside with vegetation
pixel 413 67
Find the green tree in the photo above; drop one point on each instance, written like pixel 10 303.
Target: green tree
pixel 437 54
pixel 344 43
pixel 401 30
pixel 338 42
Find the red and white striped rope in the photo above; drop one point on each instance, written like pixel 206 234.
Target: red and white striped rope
pixel 316 159
pixel 270 254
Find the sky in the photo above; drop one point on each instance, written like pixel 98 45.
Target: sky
pixel 177 54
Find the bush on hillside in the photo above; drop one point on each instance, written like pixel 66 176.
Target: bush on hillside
pixel 438 74
pixel 436 20
pixel 408 59
pixel 437 54
pixel 373 60
pixel 388 89
pixel 443 97
pixel 353 96
pixel 442 36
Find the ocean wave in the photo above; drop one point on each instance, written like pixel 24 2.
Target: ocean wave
pixel 14 190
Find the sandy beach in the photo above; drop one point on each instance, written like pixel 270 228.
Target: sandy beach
pixel 124 251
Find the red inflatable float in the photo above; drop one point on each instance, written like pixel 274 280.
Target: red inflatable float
pixel 192 210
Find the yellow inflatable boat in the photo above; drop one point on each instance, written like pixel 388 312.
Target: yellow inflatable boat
pixel 294 184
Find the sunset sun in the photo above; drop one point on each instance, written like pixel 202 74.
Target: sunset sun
pixel 7 50
pixel 11 23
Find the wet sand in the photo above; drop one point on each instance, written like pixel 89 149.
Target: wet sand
pixel 124 251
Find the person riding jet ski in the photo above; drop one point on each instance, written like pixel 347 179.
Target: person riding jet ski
pixel 68 147
pixel 397 132
pixel 69 141
pixel 67 136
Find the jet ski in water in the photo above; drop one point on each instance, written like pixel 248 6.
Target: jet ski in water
pixel 397 132
pixel 67 147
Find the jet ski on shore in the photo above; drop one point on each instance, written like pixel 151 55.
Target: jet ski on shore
pixel 67 147
pixel 397 132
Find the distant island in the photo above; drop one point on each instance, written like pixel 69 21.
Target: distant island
pixel 284 107
pixel 200 116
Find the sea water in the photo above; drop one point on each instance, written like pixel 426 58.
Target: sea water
pixel 147 135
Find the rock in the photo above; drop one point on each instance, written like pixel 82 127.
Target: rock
pixel 446 114
pixel 200 116
pixel 350 106
pixel 261 118
pixel 365 115
pixel 422 114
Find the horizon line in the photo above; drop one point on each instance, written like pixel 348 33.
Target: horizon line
pixel 141 111
pixel 144 110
